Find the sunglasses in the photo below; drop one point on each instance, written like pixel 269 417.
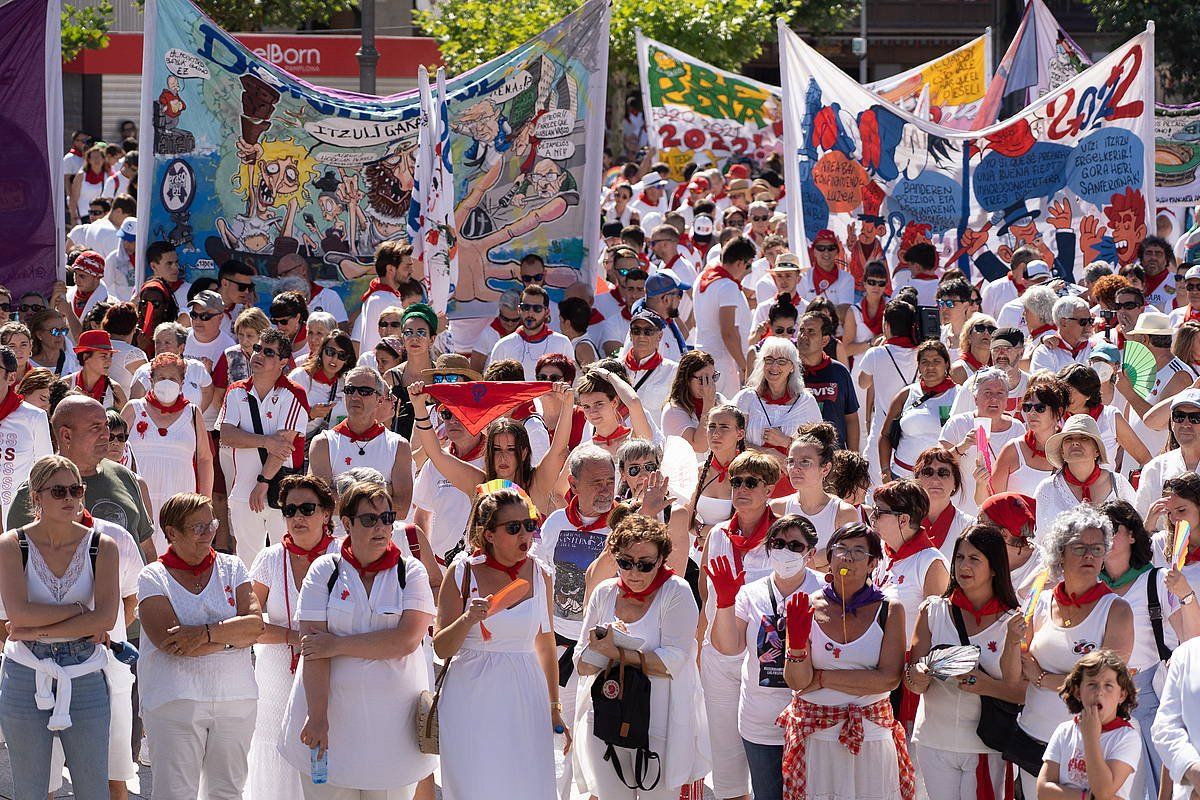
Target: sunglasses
pixel 1192 287
pixel 636 273
pixel 759 219
pixel 269 352
pixel 202 528
pixel 449 379
pixel 983 327
pixel 361 391
pixel 415 333
pixel 121 438
pixel 333 352
pixel 537 278
pixel 291 509
pixel 30 308
pixel 629 564
pixel 279 322
pixel 1191 417
pixel 371 519
pixel 206 316
pixel 750 482
pixel 825 248
pixel 947 303
pixel 517 525
pixel 930 472
pixel 241 287
pixel 1130 305
pixel 1083 322
pixel 780 544
pixel 60 492
pixel 639 330
pixel 637 469
pixel 6 307
pixel 781 331
pixel 875 282
pixel 509 320
pixel 446 415
pixel 58 331
pixel 534 308
pixel 391 325
pixel 876 513
pixel 547 376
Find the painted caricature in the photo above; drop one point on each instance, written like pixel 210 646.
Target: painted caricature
pixel 272 176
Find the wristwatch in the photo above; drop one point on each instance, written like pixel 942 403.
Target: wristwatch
pixel 1188 599
pixel 261 479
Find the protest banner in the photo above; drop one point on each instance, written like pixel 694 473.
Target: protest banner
pixel 1071 169
pixel 32 212
pixel 247 161
pixel 431 213
pixel 956 81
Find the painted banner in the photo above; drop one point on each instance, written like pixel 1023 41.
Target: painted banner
pixel 32 208
pixel 698 112
pixel 251 162
pixel 1070 171
pixel 1177 154
pixel 431 210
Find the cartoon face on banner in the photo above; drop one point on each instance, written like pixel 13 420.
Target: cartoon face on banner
pixel 251 163
pixel 1069 176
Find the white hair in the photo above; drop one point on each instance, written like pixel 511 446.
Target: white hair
pixel 1066 305
pixel 1066 528
pixel 358 475
pixel 776 347
pixel 585 454
pixel 370 372
pixel 322 318
pixel 1040 300
pixel 180 332
pixel 988 375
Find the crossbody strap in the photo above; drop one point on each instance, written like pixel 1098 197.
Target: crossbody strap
pixel 1156 615
pixel 256 420
pixel 957 618
pixel 899 371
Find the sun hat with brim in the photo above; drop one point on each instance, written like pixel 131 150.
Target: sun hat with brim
pixel 1188 397
pixel 94 341
pixel 786 262
pixel 454 366
pixel 1076 425
pixel 1152 323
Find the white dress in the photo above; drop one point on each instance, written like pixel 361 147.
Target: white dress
pixel 495 693
pixel 164 457
pixel 269 777
pixel 1054 496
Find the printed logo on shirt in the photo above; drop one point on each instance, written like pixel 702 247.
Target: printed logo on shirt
pixel 1077 769
pixel 830 648
pixel 345 593
pixel 1084 647
pixel 229 595
pixel 824 392
pixel 991 646
pixel 573 554
pixel 111 512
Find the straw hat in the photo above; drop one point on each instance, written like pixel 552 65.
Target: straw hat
pixel 1076 425
pixel 1153 323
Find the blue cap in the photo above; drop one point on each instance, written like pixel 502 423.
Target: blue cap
pixel 1106 352
pixel 662 282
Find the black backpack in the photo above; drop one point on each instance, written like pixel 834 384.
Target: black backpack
pixel 621 718
pixel 401 578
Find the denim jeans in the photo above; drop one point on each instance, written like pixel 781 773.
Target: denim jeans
pixel 766 769
pixel 85 743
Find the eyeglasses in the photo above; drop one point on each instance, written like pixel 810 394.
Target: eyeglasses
pixel 946 303
pixel 361 391
pixel 1130 305
pixel 1190 417
pixel 394 325
pixel 780 544
pixel 534 308
pixel 333 352
pixel 759 219
pixel 782 331
pixel 629 564
pixel 849 554
pixel 60 492
pixel 539 277
pixel 1016 542
pixel 1192 287
pixel 241 287
pixel 875 282
pixel 825 248
pixel 1034 408
pixel 121 438
pixel 548 376
pixel 371 519
pixel 640 330
pixel 637 469
pixel 930 472
pixel 205 317
pixel 983 327
pixel 1084 550
pixel 449 379
pixel 515 526
pixel 876 513
pixel 415 333
pixel 716 376
pixel 306 509
pixel 30 308
pixel 1083 322
pixel 6 307
pixel 509 320
pixel 279 322
pixel 203 528
pixel 749 482
pixel 58 331
pixel 775 362
pixel 269 352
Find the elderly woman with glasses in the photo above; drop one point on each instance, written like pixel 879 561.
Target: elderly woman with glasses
pixel 974 346
pixel 750 621
pixel 199 617
pixel 1075 614
pixel 845 654
pixel 809 460
pixel 917 412
pixel 645 618
pixel 989 387
pixel 1077 453
pixel 363 613
pixel 502 689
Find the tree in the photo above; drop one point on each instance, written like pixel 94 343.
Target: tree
pixel 85 28
pixel 243 16
pixel 1174 38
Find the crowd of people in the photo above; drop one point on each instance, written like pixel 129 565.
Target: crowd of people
pixel 752 519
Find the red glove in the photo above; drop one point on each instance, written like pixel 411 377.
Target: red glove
pixel 725 583
pixel 799 617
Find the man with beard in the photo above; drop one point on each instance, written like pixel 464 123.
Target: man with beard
pixel 393 266
pixel 828 380
pixel 1159 262
pixel 1008 346
pixel 534 338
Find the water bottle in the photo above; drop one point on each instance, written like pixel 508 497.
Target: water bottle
pixel 124 652
pixel 319 771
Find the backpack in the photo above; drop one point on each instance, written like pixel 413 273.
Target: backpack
pixel 401 578
pixel 23 543
pixel 621 718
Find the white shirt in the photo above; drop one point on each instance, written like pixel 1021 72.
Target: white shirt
pixel 24 438
pixel 721 293
pixel 487 339
pixel 926 287
pixel 327 300
pixel 1067 750
pixel 995 294
pixel 1054 496
pixel 378 453
pixel 568 552
pixel 1155 473
pixel 955 429
pixel 448 507
pixel 1055 358
pixel 213 351
pixel 903 582
pixel 1012 315
pixel 280 409
pixel 761 415
pixel 321 393
pixel 196 378
pixel 366 328
pixel 515 347
pixel 1176 728
pixel 841 292
pixel 653 386
pixel 98 295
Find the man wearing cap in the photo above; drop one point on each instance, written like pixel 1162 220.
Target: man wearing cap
pixel 737 195
pixel 1188 293
pixel 784 277
pixel 1171 377
pixel 507 320
pixel 723 318
pixel 1037 273
pixel 664 246
pixel 1016 517
pixel 651 198
pixel 650 373
pixel 1070 344
pixel 94 350
pixel 996 294
pixel 89 289
pixel 24 432
pixel 207 340
pixel 119 264
pixel 631 278
pixel 826 278
pixel 533 339
pixel 664 293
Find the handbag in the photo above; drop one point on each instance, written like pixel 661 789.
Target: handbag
pixel 284 471
pixel 998 728
pixel 621 718
pixel 427 701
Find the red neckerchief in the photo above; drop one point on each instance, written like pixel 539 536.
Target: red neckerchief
pixel 934 391
pixel 313 291
pixel 319 376
pixel 535 338
pixel 664 575
pixel 162 408
pixel 721 470
pixel 523 411
pixel 620 433
pixel 1036 332
pixel 596 318
pixel 785 400
pixel 697 407
pixel 171 560
pixel 822 280
pixel 75 151
pixel 10 403
pixel 1094 411
pixel 1073 350
pixel 318 550
pixel 1116 724
pixel 97 391
pixel 370 433
pixel 918 542
pixel 86 519
pixel 646 200
pixel 378 285
pixel 498 327
pixel 1193 556
pixel 1020 287
pixel 645 366
pixel 820 365
pixel 80 300
pixel 512 572
pixel 474 453
pixel 1039 451
pixel 901 341
pixel 1193 315
pixel 959 599
pixel 974 363
pixel 1154 281
pixel 626 314
pixel 874 322
pixel 742 543
pixel 389 559
pixel 1086 484
pixel 1064 598
pixel 94 177
pixel 714 274
pixel 576 518
pixel 615 294
pixel 937 530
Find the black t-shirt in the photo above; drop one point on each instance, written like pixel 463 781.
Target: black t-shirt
pixel 834 390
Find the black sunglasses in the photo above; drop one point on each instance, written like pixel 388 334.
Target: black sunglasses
pixel 875 282
pixel 638 330
pixel 636 469
pixel 279 322
pixel 535 308
pixel 983 327
pixel 538 278
pixel 1036 408
pixel 27 308
pixel 629 564
pixel 545 376
pixel 515 526
pixel 750 482
pixel 781 331
pixel 780 544
pixel 333 352
pixel 205 317
pixel 509 320
pixel 122 438
pixel 60 492
pixel 361 391
pixel 6 307
pixel 396 325
pixel 1130 305
pixel 307 509
pixel 1191 417
pixel 241 287
pixel 371 519
pixel 269 352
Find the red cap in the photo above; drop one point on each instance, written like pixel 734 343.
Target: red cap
pixel 91 341
pixel 1011 511
pixel 825 235
pixel 700 182
pixel 738 171
pixel 91 262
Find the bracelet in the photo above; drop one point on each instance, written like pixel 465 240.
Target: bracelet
pixel 1038 682
pixel 556 705
pixel 800 659
pixel 1187 600
pixel 421 419
pixel 423 427
pixel 207 633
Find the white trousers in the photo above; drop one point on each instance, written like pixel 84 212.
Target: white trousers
pixel 120 743
pixel 563 764
pixel 200 748
pixel 951 776
pixel 721 677
pixel 328 792
pixel 254 529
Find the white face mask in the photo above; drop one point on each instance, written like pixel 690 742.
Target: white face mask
pixel 786 563
pixel 1104 370
pixel 167 391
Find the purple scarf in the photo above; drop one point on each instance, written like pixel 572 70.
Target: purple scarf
pixel 864 596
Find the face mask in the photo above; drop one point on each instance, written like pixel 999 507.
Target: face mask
pixel 1104 370
pixel 786 563
pixel 167 391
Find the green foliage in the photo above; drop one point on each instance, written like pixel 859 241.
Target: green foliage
pixel 1175 36
pixel 248 16
pixel 85 28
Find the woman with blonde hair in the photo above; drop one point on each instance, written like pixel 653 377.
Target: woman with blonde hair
pixel 16 336
pixel 775 401
pixel 974 347
pixel 1186 344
